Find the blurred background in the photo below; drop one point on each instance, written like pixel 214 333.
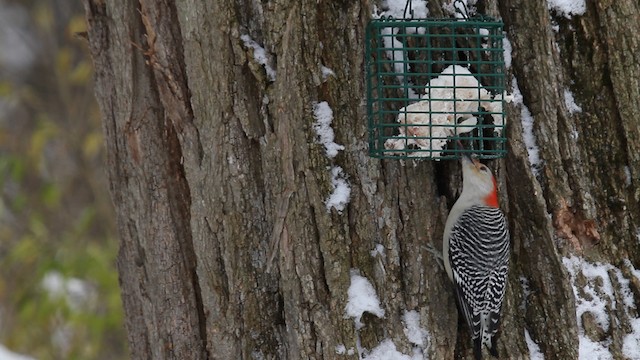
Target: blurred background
pixel 59 296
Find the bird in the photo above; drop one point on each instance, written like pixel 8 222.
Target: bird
pixel 476 253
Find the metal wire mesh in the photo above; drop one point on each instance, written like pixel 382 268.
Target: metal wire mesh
pixel 434 81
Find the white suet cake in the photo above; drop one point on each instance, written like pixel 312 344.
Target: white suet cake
pixel 455 94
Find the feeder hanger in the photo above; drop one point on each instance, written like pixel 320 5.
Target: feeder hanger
pixel 459 5
pixel 461 8
pixel 409 8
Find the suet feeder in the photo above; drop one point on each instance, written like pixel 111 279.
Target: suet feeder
pixel 431 82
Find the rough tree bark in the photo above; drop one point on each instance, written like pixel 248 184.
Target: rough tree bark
pixel 227 248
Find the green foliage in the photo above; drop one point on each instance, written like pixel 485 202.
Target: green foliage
pixel 56 219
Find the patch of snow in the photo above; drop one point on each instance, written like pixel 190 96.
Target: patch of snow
pixel 362 298
pixel 418 354
pixel 627 182
pixel 530 139
pixel 625 289
pixel 395 49
pixel 597 304
pixel 528 136
pixel 571 103
pixel 53 283
pixel 412 330
pixel 534 349
pixel 508 49
pixel 77 293
pixel 631 341
pixel 599 296
pixel 260 55
pixel 342 350
pixel 589 349
pixel 574 134
pixel 396 53
pixel 386 350
pixel 6 354
pixel 324 116
pixel 568 8
pixel 339 198
pixel 326 72
pixel 378 251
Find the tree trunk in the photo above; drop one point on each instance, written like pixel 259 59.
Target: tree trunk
pixel 228 249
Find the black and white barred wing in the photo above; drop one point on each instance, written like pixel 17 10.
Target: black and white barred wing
pixel 479 257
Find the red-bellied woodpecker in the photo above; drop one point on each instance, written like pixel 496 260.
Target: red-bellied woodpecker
pixel 476 254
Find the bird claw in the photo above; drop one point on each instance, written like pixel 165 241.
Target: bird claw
pixel 435 252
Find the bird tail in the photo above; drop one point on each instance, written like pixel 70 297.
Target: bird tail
pixel 494 346
pixel 488 326
pixel 477 348
pixel 493 323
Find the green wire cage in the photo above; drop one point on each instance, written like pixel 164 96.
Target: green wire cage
pixel 431 82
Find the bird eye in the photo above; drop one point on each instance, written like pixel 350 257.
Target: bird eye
pixel 484 168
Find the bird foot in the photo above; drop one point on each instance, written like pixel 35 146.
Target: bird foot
pixel 436 253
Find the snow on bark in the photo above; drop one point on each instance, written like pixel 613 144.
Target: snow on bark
pixel 324 117
pixel 362 298
pixel 339 198
pixel 260 55
pixel 594 302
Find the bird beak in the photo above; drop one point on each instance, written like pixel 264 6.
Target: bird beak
pixel 467 159
pixel 465 156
